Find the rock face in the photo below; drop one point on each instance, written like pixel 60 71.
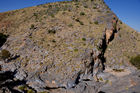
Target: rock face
pixel 86 51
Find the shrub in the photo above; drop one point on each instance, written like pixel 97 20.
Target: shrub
pixel 53 40
pixel 5 54
pixel 118 70
pixel 84 39
pixel 32 26
pixel 30 91
pixel 81 23
pixel 3 39
pixel 82 13
pixel 135 61
pixel 35 14
pixel 114 25
pixel 96 22
pixel 107 11
pixel 101 79
pixel 22 88
pixel 94 7
pixel 70 25
pixel 52 15
pixel 51 31
pixel 120 22
pixel 44 92
pixel 75 50
pixel 85 6
pixel 77 20
pixel 50 6
pixel 77 6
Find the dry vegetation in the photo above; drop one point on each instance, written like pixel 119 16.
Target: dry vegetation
pixel 64 30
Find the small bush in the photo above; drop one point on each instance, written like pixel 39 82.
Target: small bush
pixel 82 13
pixel 85 6
pixel 53 40
pixel 77 20
pixel 96 22
pixel 22 88
pixel 94 7
pixel 32 26
pixel 107 11
pixel 70 25
pixel 35 14
pixel 44 92
pixel 118 70
pixel 81 23
pixel 84 39
pixel 52 31
pixel 120 22
pixel 30 91
pixel 50 6
pixel 101 79
pixel 75 50
pixel 135 61
pixel 5 54
pixel 52 15
pixel 77 6
pixel 114 25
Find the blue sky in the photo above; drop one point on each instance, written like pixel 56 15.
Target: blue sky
pixel 127 10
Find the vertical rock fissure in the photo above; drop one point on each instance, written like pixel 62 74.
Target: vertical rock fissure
pixel 97 58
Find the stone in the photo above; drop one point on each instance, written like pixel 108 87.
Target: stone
pixel 21 74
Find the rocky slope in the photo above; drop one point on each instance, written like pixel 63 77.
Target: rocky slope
pixel 77 46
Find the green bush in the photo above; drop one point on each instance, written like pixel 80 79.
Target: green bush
pixel 30 91
pixel 5 54
pixel 52 15
pixel 82 13
pixel 115 25
pixel 85 6
pixel 70 25
pixel 53 40
pixel 96 22
pixel 50 6
pixel 107 11
pixel 32 26
pixel 120 22
pixel 118 70
pixel 75 50
pixel 51 31
pixel 84 39
pixel 135 61
pixel 44 92
pixel 22 88
pixel 36 15
pixel 94 7
pixel 81 23
pixel 77 20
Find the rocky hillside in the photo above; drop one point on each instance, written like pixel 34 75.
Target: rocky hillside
pixel 77 46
